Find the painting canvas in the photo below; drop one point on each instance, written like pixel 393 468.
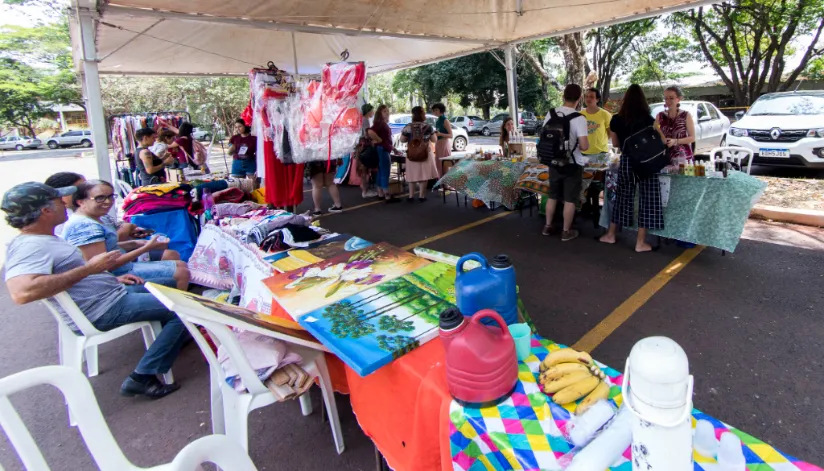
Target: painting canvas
pixel 309 288
pixel 437 278
pixel 373 327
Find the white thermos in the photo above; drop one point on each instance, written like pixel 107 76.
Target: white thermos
pixel 657 389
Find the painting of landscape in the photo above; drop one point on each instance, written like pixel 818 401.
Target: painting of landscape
pixel 373 327
pixel 437 278
pixel 306 289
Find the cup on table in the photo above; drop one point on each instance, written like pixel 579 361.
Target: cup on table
pixel 522 335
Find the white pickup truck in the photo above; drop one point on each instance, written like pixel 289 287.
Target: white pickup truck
pixel 783 130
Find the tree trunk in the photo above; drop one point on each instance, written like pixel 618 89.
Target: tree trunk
pixel 485 109
pixel 574 49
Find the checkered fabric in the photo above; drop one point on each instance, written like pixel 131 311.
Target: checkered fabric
pixel 650 211
pixel 523 432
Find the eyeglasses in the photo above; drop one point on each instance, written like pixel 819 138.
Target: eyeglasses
pixel 104 198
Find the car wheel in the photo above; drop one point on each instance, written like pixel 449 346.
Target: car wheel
pixel 723 142
pixel 486 132
pixel 53 145
pixel 459 144
pixel 18 147
pixel 86 143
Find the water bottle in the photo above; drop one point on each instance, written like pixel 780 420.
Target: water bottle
pixel 208 203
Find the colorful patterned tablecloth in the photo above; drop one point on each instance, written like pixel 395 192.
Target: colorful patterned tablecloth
pixel 491 181
pixel 524 431
pixel 706 211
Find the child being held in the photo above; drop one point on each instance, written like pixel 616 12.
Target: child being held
pixel 161 146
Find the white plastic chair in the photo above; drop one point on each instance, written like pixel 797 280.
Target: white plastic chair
pixel 218 449
pixel 122 188
pixel 230 408
pixel 737 154
pixel 72 346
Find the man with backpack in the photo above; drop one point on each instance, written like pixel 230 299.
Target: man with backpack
pixel 561 143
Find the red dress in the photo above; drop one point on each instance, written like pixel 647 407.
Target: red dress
pixel 676 128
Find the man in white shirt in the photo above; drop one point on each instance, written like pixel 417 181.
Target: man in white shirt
pixel 565 182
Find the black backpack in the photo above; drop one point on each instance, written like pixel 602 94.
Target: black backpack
pixel 552 141
pixel 646 152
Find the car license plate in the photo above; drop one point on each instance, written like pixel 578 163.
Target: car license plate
pixel 774 153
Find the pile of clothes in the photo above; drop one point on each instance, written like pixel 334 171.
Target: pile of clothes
pixel 151 199
pixel 270 229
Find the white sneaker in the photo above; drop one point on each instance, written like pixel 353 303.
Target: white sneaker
pixel 369 194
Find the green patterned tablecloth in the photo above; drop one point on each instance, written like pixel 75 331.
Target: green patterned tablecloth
pixel 491 181
pixel 707 211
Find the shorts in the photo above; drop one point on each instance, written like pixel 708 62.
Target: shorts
pixel 318 167
pixel 566 186
pixel 148 270
pixel 156 255
pixel 241 168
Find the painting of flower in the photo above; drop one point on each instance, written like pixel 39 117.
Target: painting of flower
pixel 314 286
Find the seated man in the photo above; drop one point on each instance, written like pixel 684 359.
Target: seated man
pixel 40 265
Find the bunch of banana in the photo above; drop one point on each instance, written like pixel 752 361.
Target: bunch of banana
pixel 570 375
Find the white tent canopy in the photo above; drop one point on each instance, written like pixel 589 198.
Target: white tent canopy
pixel 229 37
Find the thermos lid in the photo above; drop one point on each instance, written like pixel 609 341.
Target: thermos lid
pixel 501 261
pixel 451 318
pixel 659 372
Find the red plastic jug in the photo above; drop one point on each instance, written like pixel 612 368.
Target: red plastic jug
pixel 481 364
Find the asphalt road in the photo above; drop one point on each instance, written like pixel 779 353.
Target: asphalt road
pixel 750 323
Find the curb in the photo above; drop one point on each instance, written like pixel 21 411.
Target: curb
pixel 804 217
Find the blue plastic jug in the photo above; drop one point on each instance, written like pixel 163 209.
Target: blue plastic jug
pixel 491 286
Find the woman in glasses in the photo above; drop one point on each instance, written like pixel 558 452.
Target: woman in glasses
pixel 89 230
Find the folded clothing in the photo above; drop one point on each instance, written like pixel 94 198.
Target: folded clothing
pixel 262 230
pixel 233 209
pixel 229 195
pixel 265 355
pixel 161 189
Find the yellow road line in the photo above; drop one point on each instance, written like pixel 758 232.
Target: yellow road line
pixel 606 327
pixel 456 230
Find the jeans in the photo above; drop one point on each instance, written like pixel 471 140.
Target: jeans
pixel 140 305
pixel 384 167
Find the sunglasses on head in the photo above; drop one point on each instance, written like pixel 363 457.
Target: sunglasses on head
pixel 104 198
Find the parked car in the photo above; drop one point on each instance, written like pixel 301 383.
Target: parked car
pixel 202 134
pixel 19 143
pixel 469 124
pixel 526 120
pixel 460 138
pixel 710 124
pixel 783 129
pixel 70 138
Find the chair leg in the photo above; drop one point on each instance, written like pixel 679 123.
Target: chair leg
pixel 305 404
pixel 91 361
pixel 149 336
pixel 236 419
pixel 218 419
pixel 329 400
pixel 72 356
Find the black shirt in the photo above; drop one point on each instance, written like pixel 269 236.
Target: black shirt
pixel 619 127
pixel 147 178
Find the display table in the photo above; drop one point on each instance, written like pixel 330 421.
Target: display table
pixel 705 211
pixel 491 181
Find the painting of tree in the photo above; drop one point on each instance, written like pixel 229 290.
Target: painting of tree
pixel 346 320
pixel 393 324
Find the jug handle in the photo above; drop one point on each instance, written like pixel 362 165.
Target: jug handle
pixel 483 313
pixel 471 256
pixel 675 423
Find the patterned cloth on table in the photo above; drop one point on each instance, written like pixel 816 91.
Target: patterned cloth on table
pixel 523 432
pixel 491 181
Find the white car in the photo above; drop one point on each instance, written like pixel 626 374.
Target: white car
pixel 783 130
pixel 70 138
pixel 19 143
pixel 710 124
pixel 460 138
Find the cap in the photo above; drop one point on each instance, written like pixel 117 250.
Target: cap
pixel 26 198
pixel 366 108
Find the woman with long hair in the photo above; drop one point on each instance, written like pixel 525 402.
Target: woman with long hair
pixel 676 126
pixel 381 135
pixel 184 145
pixel 88 230
pixel 443 130
pixel 507 128
pixel 634 116
pixel 418 173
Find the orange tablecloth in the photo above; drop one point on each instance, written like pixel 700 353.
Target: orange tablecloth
pixel 402 406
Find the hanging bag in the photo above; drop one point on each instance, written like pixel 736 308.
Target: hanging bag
pixel 418 148
pixel 646 152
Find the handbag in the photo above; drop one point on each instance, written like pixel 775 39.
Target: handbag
pixel 418 148
pixel 368 155
pixel 646 152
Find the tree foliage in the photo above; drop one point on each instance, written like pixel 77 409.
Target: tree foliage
pixel 747 42
pixel 610 47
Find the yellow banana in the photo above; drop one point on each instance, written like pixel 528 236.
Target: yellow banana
pixel 577 390
pixel 600 392
pixel 597 371
pixel 565 355
pixel 555 385
pixel 563 369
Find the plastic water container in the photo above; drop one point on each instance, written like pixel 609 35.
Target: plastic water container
pixel 491 286
pixel 657 389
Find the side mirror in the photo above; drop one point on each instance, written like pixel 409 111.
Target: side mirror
pixel 739 115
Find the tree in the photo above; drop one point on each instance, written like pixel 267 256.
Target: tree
pixel 609 49
pixel 747 42
pixel 815 70
pixel 657 59
pixel 574 48
pixel 20 95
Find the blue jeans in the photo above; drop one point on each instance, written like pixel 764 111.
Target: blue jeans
pixel 241 168
pixel 384 167
pixel 140 305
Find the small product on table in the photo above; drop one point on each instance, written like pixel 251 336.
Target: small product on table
pixel 570 375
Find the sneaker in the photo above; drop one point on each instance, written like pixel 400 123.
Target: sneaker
pixel 336 209
pixel 549 230
pixel 317 213
pixel 421 200
pixel 566 236
pixel 369 194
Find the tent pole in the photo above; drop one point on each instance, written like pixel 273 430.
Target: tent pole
pixel 295 55
pixel 94 101
pixel 511 83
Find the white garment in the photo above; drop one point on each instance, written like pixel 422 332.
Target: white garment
pixel 263 353
pixel 159 149
pixel 577 128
